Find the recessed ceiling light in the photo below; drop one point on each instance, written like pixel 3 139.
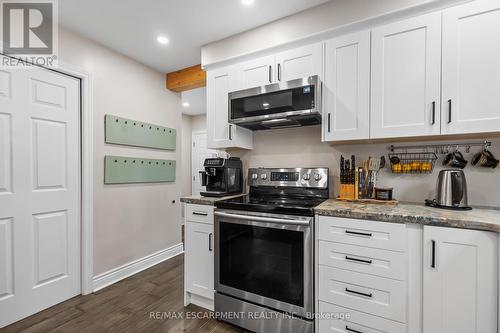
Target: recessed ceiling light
pixel 247 2
pixel 162 40
pixel 185 104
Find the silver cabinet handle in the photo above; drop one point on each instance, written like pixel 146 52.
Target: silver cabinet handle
pixel 433 113
pixel 210 242
pixel 358 293
pixel 230 132
pixel 433 254
pixel 270 74
pixel 262 219
pixel 329 122
pixel 279 72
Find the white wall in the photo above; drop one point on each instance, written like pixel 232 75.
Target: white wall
pixel 327 17
pixel 302 147
pixel 130 221
pixel 186 155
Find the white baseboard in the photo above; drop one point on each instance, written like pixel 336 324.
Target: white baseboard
pixel 108 278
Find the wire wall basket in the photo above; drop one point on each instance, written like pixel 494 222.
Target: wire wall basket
pixel 414 162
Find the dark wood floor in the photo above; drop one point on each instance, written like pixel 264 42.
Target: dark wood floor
pixel 126 306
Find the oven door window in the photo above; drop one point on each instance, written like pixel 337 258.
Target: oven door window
pixel 295 99
pixel 265 261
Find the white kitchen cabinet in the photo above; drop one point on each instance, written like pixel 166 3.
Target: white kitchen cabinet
pixel 254 73
pixel 220 133
pixel 199 256
pixel 471 68
pixel 460 281
pixel 405 78
pixel 346 88
pixel 299 62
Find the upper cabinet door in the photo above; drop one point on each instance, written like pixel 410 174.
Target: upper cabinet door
pixel 346 88
pixel 471 68
pixel 254 73
pixel 405 86
pixel 299 63
pixel 460 281
pixel 218 84
pixel 220 133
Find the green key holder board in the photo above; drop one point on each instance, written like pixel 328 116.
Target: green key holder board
pixel 124 170
pixel 123 131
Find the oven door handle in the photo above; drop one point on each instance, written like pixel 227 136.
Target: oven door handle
pixel 263 219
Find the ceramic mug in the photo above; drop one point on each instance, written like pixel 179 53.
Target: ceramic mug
pixel 485 159
pixel 455 160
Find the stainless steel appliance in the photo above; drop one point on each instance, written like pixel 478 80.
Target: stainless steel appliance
pixel 451 190
pixel 264 250
pixel 222 176
pixel 284 104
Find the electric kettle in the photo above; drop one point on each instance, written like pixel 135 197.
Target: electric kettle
pixel 451 191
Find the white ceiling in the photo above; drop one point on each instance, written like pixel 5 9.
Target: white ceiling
pixel 131 26
pixel 194 101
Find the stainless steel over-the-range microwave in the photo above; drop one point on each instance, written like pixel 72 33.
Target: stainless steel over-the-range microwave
pixel 284 104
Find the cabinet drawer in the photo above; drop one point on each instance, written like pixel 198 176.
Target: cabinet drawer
pixel 361 259
pixel 342 320
pixel 199 213
pixel 380 235
pixel 367 293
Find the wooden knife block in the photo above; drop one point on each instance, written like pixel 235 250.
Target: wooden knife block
pixel 347 191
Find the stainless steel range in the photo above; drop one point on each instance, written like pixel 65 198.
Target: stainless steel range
pixel 264 251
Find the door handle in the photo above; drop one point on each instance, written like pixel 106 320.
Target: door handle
pixel 358 260
pixel 279 72
pixel 449 111
pixel 433 113
pixel 210 242
pixel 351 330
pixel 358 293
pixel 433 254
pixel 270 74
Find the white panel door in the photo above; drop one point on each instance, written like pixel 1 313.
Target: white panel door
pixel 346 88
pixel 199 152
pixel 406 83
pixel 199 259
pixel 39 191
pixel 254 73
pixel 460 281
pixel 300 62
pixel 471 68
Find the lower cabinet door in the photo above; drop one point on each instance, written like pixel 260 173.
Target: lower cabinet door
pixel 460 281
pixel 199 259
pixel 337 319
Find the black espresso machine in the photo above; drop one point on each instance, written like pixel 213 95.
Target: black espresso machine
pixel 222 177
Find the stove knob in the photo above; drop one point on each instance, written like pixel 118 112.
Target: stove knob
pixel 317 177
pixel 255 176
pixel 263 176
pixel 306 176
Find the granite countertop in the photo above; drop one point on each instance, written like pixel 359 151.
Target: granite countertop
pixel 209 201
pixel 478 218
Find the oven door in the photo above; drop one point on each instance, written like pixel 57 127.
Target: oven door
pixel 266 259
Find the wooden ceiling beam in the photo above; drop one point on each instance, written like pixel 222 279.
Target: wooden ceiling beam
pixel 186 79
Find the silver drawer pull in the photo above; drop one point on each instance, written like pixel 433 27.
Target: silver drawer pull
pixel 358 293
pixel 358 260
pixel 358 233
